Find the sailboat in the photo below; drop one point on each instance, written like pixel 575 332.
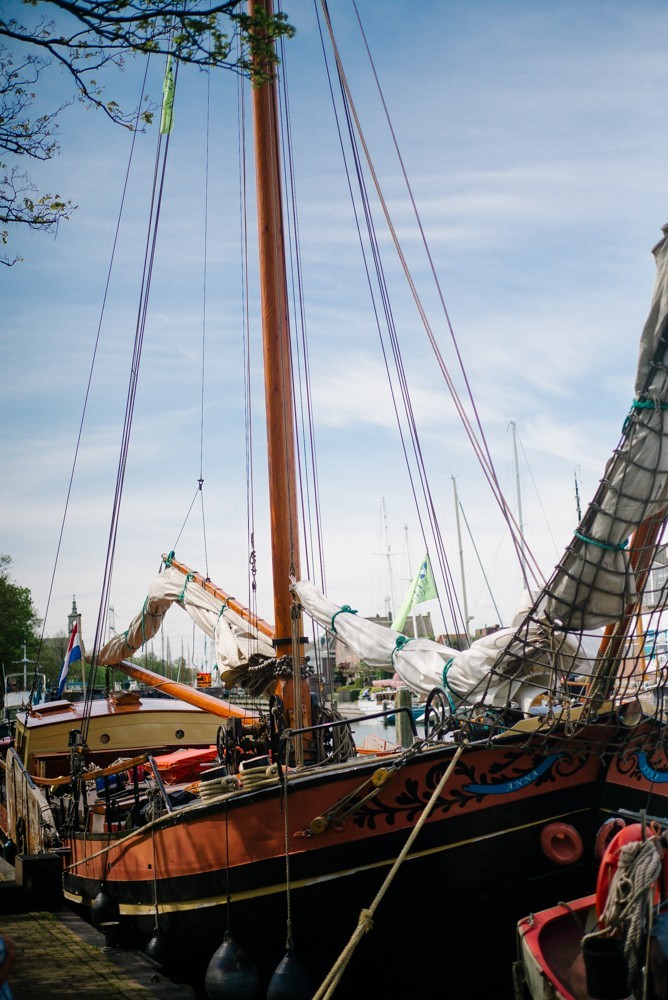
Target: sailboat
pixel 286 837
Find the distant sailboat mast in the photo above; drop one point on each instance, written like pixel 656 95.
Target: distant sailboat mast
pixel 460 548
pixel 520 518
pixel 390 608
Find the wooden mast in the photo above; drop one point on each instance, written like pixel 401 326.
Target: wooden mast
pixel 277 352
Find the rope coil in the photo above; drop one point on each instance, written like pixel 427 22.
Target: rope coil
pixel 625 912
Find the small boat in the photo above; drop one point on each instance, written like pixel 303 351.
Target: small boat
pixel 383 700
pixel 611 944
pixel 550 959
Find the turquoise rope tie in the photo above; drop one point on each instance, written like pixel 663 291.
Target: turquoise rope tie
pixel 647 404
pixel 169 557
pixel 226 604
pixel 642 404
pixel 347 609
pixel 143 622
pixel 399 645
pixel 189 577
pixel 601 545
pixel 133 649
pixel 446 686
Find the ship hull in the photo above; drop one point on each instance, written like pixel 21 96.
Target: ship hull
pixel 478 856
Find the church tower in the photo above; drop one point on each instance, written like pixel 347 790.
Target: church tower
pixel 73 615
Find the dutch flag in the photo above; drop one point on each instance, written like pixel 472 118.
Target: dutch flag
pixel 71 656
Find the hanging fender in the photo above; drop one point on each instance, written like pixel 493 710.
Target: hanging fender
pixel 627 835
pixel 606 832
pixel 561 843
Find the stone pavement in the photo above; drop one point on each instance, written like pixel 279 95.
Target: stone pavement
pixel 58 955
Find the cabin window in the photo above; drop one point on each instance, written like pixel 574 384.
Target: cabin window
pixel 179 734
pixel 105 737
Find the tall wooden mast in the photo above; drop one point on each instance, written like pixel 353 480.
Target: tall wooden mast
pixel 277 353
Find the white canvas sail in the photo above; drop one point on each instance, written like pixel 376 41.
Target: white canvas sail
pixel 497 669
pixel 234 639
pixel 418 662
pixel 594 583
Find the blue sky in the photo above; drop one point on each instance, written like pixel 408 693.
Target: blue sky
pixel 535 143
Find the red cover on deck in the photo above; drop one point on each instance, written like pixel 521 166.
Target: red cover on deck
pixel 183 765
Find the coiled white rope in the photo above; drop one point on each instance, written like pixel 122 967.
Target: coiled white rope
pixel 631 888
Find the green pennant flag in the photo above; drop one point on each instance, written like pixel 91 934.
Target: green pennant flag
pixel 426 588
pixel 422 589
pixel 167 116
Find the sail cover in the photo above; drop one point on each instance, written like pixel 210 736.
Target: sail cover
pixel 515 664
pixel 235 639
pixel 419 663
pixel 594 584
pixel 522 664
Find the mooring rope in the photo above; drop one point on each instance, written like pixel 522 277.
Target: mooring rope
pixel 366 916
pixel 639 867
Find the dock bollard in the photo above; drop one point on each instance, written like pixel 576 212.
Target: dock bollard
pixel 404 699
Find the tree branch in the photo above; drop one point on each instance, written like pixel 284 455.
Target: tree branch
pixel 92 35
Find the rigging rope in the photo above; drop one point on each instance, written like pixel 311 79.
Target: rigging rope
pixel 478 441
pixel 631 890
pixel 159 174
pixel 251 581
pixel 365 923
pixel 135 131
pixel 306 448
pixel 456 614
pixel 204 301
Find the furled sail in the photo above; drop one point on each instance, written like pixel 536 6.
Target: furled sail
pixel 515 664
pixel 594 584
pixel 418 662
pixel 520 664
pixel 235 639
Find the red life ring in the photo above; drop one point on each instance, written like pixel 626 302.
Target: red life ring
pixel 561 843
pixel 605 834
pixel 627 835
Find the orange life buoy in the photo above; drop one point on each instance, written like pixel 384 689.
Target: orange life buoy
pixel 561 843
pixel 605 834
pixel 627 835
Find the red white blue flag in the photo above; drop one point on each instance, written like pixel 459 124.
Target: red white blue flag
pixel 71 656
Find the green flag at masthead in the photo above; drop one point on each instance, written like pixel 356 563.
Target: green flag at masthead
pixel 167 116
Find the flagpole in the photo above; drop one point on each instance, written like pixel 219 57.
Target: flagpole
pixel 408 556
pixel 402 614
pixel 83 658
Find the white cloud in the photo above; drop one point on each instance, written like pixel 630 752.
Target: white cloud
pixel 531 139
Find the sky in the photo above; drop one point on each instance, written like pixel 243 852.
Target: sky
pixel 534 140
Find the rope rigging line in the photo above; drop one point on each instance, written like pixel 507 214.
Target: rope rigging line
pixel 135 131
pixel 205 251
pixel 204 303
pixel 478 442
pixel 365 923
pixel 251 567
pixel 305 446
pixel 540 502
pixel 159 173
pixel 451 591
pixel 185 520
pixel 482 568
pixel 303 405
